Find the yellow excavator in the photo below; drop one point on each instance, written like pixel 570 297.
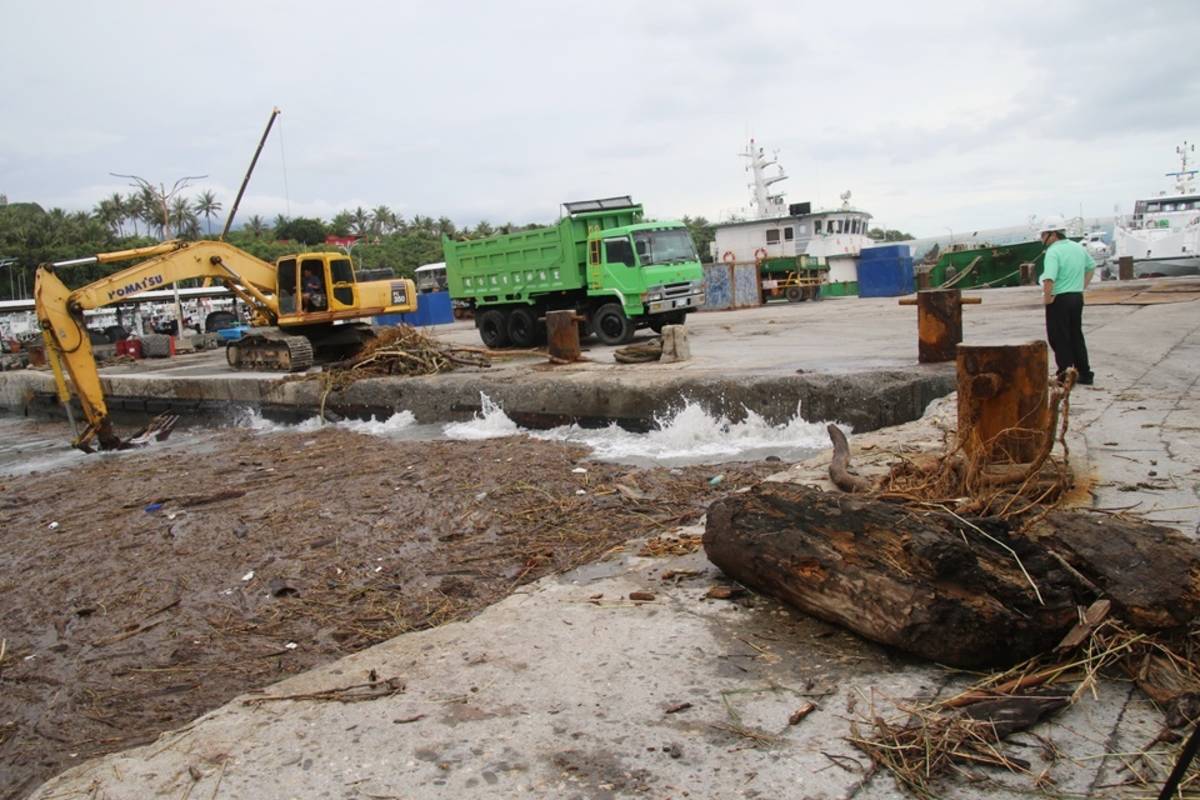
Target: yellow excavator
pixel 303 307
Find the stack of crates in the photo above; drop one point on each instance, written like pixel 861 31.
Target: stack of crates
pixel 885 271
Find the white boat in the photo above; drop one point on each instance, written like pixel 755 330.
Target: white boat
pixel 1163 233
pixel 774 228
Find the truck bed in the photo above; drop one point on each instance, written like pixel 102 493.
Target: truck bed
pixel 512 266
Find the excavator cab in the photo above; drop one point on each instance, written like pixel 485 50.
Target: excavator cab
pixel 316 287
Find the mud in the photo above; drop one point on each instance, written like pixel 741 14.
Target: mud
pixel 139 593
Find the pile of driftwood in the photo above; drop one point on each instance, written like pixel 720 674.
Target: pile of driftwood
pixel 967 559
pixel 402 350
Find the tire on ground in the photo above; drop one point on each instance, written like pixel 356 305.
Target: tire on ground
pixel 522 327
pixel 794 294
pixel 493 328
pixel 611 325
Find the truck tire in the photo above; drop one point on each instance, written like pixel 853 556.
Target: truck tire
pixel 522 327
pixel 794 294
pixel 493 328
pixel 611 325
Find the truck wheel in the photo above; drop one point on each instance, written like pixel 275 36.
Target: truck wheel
pixel 522 327
pixel 611 325
pixel 794 294
pixel 493 329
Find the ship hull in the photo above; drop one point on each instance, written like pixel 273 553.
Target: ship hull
pixel 1167 266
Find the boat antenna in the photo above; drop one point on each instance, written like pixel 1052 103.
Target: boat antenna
pixel 246 180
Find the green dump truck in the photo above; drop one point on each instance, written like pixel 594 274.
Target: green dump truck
pixel 601 260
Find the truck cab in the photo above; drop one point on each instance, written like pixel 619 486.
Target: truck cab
pixel 653 266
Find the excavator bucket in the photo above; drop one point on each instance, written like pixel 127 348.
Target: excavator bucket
pixel 157 430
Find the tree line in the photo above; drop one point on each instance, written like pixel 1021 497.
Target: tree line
pixel 30 235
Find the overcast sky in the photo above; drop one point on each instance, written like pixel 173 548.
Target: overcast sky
pixel 952 115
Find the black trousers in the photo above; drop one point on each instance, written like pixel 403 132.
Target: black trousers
pixel 1064 329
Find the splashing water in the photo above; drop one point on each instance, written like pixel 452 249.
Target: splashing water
pixel 493 423
pixel 397 423
pixel 688 436
pixel 693 436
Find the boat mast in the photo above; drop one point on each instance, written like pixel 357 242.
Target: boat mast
pixel 766 204
pixel 1183 183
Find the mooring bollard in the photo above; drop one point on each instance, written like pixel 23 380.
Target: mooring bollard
pixel 562 335
pixel 1003 401
pixel 675 344
pixel 939 322
pixel 1125 268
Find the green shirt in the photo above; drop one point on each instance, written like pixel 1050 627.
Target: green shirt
pixel 1065 264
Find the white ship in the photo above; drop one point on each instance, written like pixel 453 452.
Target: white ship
pixel 773 228
pixel 1163 233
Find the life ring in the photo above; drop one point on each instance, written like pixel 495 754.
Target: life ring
pixel 760 254
pixel 729 257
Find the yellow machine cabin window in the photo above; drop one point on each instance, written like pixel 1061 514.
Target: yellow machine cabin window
pixel 343 281
pixel 287 286
pixel 312 285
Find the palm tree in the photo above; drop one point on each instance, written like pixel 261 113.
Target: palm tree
pixel 108 215
pixel 446 227
pixel 362 221
pixel 383 220
pixel 280 222
pixel 423 224
pixel 483 229
pixel 207 205
pixel 152 212
pixel 183 219
pixel 257 226
pixel 340 224
pixel 134 210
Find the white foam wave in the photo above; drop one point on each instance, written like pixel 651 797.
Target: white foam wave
pixel 396 423
pixel 253 420
pixel 492 423
pixel 693 435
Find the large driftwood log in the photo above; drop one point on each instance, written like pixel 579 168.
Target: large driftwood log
pixel 952 590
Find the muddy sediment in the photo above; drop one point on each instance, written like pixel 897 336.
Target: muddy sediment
pixel 139 593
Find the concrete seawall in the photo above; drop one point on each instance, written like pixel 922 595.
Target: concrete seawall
pixel 864 400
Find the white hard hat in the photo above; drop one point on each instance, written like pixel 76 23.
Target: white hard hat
pixel 1052 224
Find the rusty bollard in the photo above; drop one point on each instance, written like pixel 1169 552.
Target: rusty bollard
pixel 1125 268
pixel 1003 401
pixel 562 335
pixel 939 323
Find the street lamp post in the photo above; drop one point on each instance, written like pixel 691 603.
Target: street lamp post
pixel 163 196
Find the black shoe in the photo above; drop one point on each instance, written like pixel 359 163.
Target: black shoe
pixel 1086 380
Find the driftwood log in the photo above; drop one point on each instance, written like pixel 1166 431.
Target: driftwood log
pixel 959 591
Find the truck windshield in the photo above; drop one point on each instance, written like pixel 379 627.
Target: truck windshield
pixel 664 247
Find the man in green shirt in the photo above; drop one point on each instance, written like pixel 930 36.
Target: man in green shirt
pixel 1067 272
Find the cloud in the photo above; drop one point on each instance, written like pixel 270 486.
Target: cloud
pixel 965 114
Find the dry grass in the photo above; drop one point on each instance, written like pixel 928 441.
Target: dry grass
pixel 926 743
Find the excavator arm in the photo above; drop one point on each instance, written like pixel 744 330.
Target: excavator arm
pixel 60 311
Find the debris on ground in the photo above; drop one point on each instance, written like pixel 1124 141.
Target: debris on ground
pixel 122 624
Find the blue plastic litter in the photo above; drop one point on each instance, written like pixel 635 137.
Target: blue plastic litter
pixel 150 509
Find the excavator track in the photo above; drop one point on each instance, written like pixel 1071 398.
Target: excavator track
pixel 270 350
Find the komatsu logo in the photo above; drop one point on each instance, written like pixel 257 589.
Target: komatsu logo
pixel 148 282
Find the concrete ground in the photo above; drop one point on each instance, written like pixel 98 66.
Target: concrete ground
pixel 571 689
